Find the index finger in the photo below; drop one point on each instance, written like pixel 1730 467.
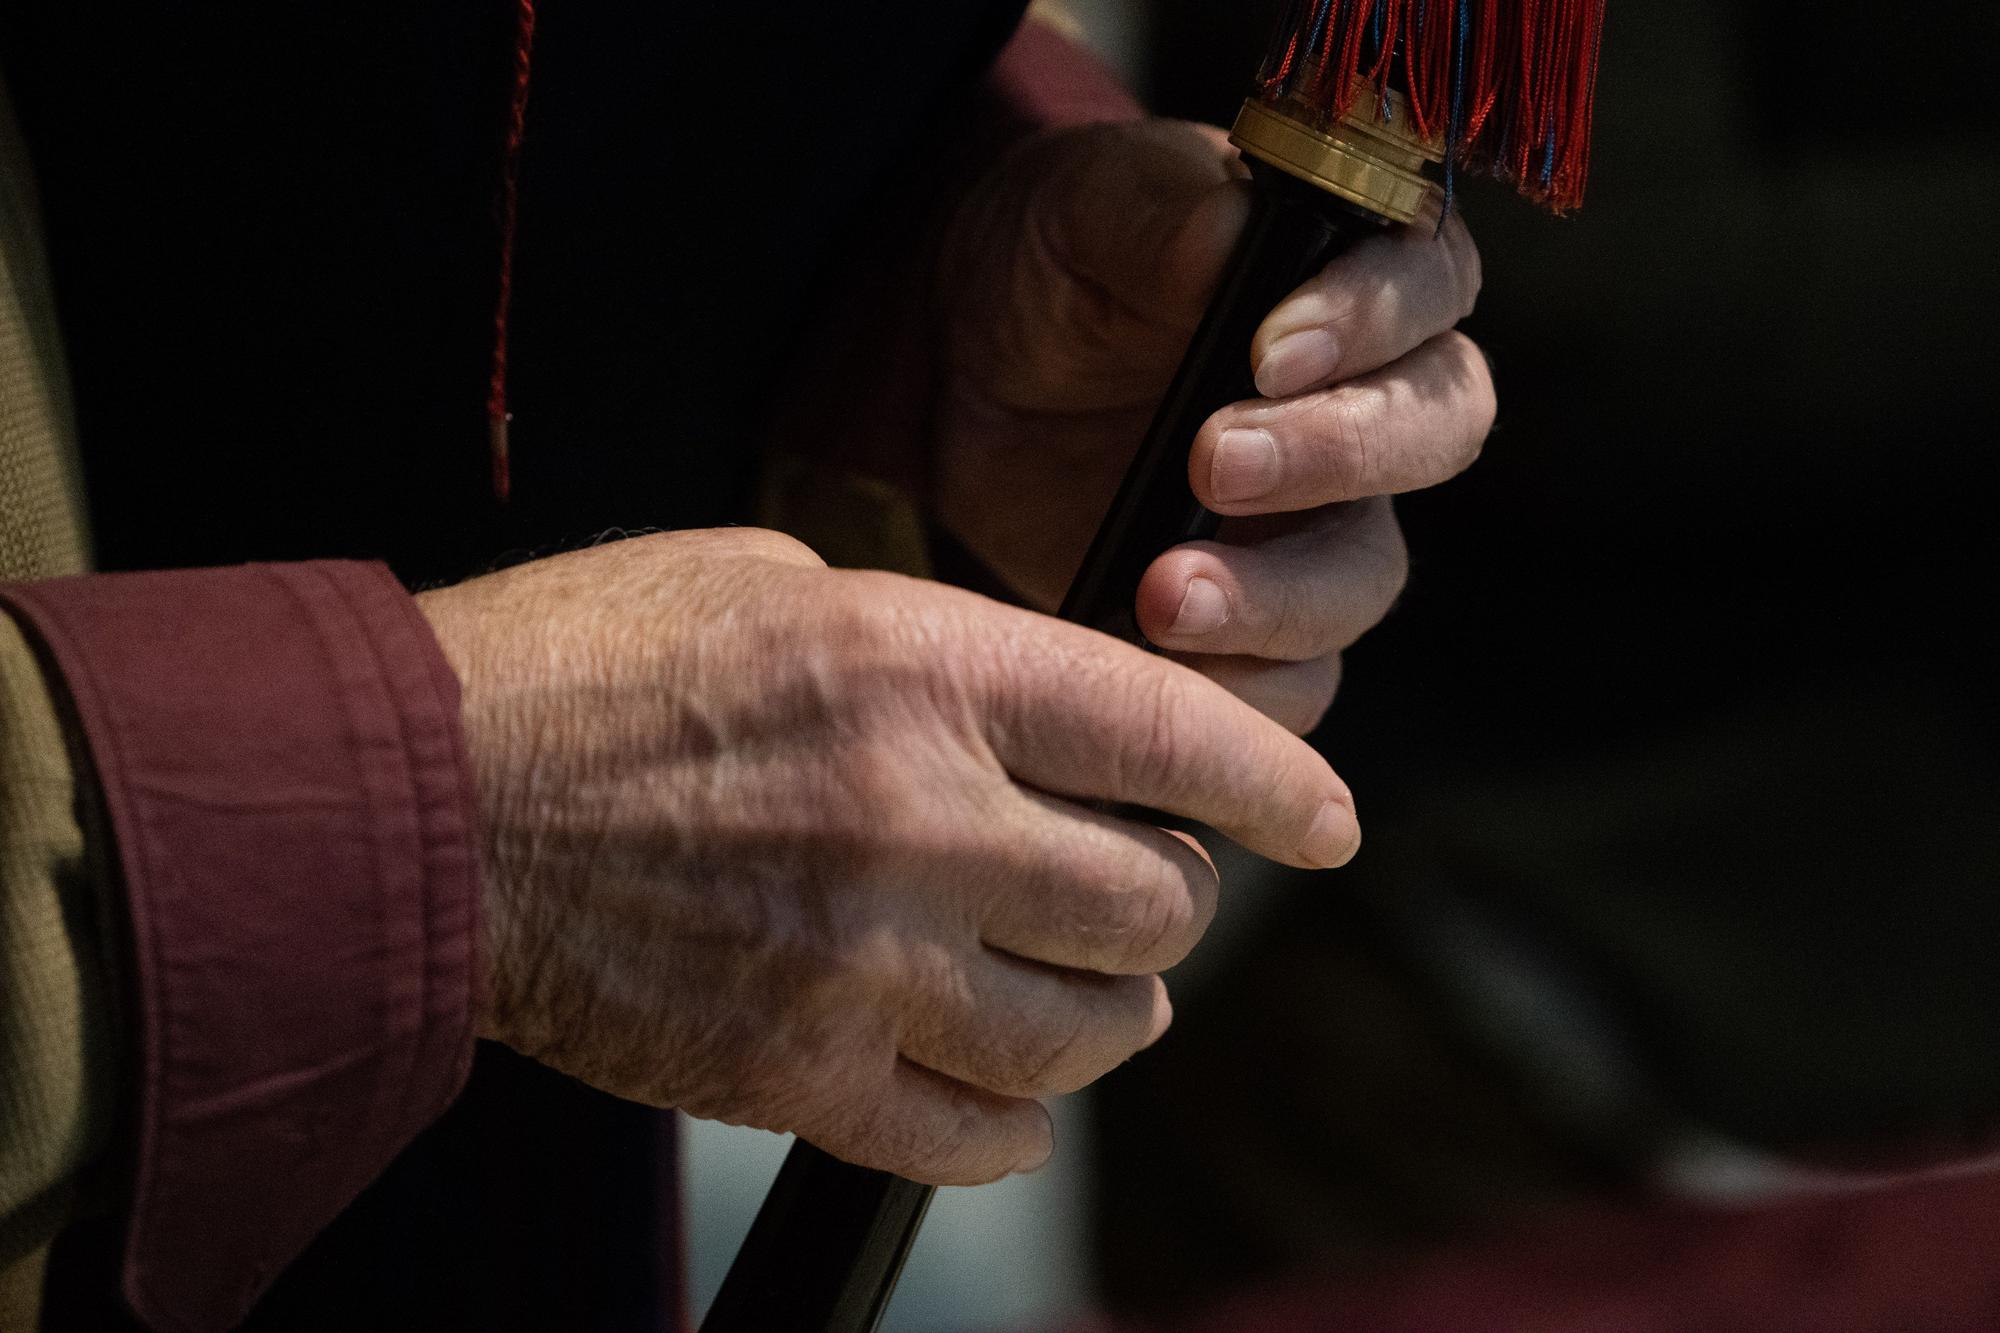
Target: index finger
pixel 1079 714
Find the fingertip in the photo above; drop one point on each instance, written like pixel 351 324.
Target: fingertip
pixel 1043 1147
pixel 1335 836
pixel 1180 598
pixel 1304 359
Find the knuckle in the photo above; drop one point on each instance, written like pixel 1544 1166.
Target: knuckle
pixel 1350 431
pixel 876 818
pixel 1150 751
pixel 767 544
pixel 1464 376
pixel 1312 703
pixel 1342 304
pixel 782 546
pixel 1131 913
pixel 1389 553
pixel 1474 364
pixel 875 617
pixel 1381 586
pixel 940 1141
pixel 1157 927
pixel 903 1143
pixel 877 970
pixel 1106 1027
pixel 874 775
pixel 827 1093
pixel 1291 620
pixel 1054 1061
pixel 1486 399
pixel 1468 270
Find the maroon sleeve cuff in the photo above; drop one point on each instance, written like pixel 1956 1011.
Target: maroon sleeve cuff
pixel 281 765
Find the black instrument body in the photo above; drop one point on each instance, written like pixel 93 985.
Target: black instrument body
pixel 1294 230
pixel 831 1239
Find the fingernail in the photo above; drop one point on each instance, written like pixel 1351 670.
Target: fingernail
pixel 1334 838
pixel 1038 1156
pixel 1204 609
pixel 1297 362
pixel 1245 466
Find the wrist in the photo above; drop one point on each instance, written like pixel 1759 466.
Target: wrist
pixel 454 624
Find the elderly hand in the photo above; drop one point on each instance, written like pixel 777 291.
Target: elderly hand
pixel 1075 276
pixel 811 850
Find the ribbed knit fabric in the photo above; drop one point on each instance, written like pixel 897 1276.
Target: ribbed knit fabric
pixel 41 527
pixel 56 1057
pixel 57 1046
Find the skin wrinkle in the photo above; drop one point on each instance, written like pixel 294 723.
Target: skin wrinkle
pixel 1170 201
pixel 1036 1082
pixel 776 843
pixel 1183 885
pixel 1088 920
pixel 700 927
pixel 1103 327
pixel 1370 290
pixel 1331 307
pixel 1100 327
pixel 1428 414
pixel 1350 421
pixel 1295 619
pixel 1023 253
pixel 1152 921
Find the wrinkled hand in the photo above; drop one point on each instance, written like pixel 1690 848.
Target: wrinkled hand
pixel 1074 278
pixel 806 849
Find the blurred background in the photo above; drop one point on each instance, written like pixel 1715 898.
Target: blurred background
pixel 1677 918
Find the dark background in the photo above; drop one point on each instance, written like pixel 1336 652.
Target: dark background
pixel 1678 762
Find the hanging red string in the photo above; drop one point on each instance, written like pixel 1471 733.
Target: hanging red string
pixel 1358 17
pixel 1485 91
pixel 1508 85
pixel 1390 22
pixel 1284 54
pixel 498 418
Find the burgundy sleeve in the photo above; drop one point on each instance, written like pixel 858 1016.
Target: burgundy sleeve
pixel 280 762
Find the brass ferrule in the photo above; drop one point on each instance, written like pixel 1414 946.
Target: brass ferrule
pixel 1366 158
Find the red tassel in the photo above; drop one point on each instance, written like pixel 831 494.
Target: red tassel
pixel 1510 85
pixel 1350 49
pixel 498 418
pixel 1328 42
pixel 1485 73
pixel 1392 22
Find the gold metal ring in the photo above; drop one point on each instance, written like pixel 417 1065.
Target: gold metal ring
pixel 1367 159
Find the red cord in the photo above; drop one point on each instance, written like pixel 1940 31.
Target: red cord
pixel 1509 83
pixel 497 415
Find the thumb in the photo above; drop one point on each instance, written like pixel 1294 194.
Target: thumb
pixel 1150 216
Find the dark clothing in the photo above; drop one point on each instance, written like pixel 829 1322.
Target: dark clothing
pixel 272 234
pixel 273 240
